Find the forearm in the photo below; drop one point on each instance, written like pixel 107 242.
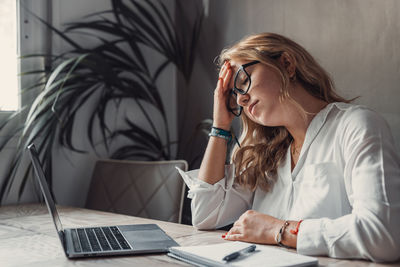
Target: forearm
pixel 358 235
pixel 256 227
pixel 219 204
pixel 212 167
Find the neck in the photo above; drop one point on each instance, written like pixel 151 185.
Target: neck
pixel 301 111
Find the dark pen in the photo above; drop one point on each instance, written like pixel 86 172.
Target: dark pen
pixel 239 253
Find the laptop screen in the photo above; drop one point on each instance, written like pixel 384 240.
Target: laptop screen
pixel 45 189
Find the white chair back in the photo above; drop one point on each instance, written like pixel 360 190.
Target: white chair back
pixel 149 189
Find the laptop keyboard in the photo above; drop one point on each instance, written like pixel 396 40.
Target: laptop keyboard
pixel 98 239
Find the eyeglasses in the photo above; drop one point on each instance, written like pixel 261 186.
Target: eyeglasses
pixel 241 85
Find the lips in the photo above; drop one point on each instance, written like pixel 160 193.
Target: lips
pixel 251 107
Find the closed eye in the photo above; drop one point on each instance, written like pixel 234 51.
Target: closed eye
pixel 245 81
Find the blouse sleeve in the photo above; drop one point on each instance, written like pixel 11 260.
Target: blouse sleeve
pixel 216 205
pixel 372 181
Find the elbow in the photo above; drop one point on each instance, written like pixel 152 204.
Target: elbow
pixel 365 236
pixel 203 216
pixel 384 251
pixel 202 222
pixel 201 226
pixel 381 240
pixel 387 254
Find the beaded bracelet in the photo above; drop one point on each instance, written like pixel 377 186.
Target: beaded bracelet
pixel 221 133
pixel 279 235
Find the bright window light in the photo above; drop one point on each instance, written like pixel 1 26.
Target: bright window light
pixel 8 56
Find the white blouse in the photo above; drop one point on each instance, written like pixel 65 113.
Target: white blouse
pixel 345 186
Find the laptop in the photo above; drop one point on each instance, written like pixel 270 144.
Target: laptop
pixel 105 240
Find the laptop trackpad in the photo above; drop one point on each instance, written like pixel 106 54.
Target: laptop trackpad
pixel 145 236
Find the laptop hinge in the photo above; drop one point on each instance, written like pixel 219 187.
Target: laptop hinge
pixel 63 242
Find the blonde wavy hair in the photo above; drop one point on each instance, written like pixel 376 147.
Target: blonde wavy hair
pixel 264 148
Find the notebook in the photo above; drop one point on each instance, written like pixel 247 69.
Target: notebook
pixel 211 255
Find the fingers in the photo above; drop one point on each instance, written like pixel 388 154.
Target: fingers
pixel 237 230
pixel 223 69
pixel 234 230
pixel 238 223
pixel 227 77
pixel 224 77
pixel 221 114
pixel 234 237
pixel 235 233
pixel 220 83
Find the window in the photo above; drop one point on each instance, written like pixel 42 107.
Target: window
pixel 21 34
pixel 9 99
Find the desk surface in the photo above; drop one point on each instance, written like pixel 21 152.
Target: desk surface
pixel 28 238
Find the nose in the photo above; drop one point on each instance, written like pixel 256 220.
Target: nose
pixel 242 100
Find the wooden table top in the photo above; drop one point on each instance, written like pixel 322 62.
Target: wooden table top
pixel 28 238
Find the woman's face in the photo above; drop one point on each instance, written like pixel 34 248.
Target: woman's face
pixel 261 104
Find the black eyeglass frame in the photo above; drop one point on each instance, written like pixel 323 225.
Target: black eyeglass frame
pixel 235 90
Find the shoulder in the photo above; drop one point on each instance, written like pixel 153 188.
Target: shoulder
pixel 358 126
pixel 358 118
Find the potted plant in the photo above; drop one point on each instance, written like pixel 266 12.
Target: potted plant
pixel 112 72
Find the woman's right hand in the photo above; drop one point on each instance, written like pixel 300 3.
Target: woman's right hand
pixel 222 116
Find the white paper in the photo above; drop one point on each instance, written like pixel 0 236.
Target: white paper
pixel 262 256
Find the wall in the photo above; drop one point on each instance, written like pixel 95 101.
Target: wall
pixel 356 41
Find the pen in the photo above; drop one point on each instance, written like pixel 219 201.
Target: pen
pixel 239 253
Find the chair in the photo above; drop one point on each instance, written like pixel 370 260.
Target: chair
pixel 149 189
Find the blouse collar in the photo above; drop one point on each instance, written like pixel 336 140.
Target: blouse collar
pixel 312 131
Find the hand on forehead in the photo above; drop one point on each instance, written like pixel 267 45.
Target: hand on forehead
pixel 235 65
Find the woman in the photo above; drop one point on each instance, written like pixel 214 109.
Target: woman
pixel 312 171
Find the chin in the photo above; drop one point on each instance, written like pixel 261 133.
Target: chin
pixel 260 121
pixel 266 121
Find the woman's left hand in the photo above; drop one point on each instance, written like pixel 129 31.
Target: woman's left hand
pixel 255 227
